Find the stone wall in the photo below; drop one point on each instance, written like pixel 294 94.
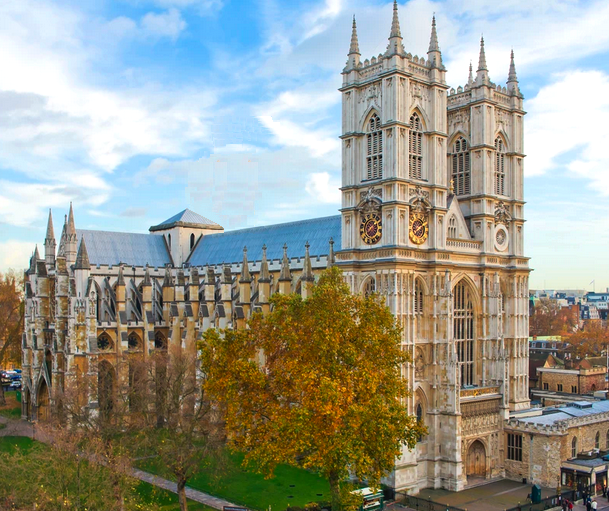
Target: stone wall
pixel 574 382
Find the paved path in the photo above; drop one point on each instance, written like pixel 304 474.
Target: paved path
pixel 23 428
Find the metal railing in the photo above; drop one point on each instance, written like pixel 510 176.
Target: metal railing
pixel 421 504
pixel 556 500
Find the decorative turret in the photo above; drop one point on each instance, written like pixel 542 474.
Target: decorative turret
pixel 395 47
pixel 245 270
pixel 434 54
pixel 147 281
pixel 354 54
pixel 307 273
pixel 49 243
pixel 71 241
pixel 82 259
pixel 285 277
pixel 63 238
pixel 34 261
pixel 264 282
pixel 210 288
pixel 470 79
pixel 512 81
pixel 245 284
pixel 482 73
pixel 331 254
pixel 168 289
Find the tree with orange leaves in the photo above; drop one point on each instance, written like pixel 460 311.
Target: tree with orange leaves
pixel 591 341
pixel 315 383
pixel 11 320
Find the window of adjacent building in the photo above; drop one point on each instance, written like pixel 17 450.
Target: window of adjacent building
pixel 499 166
pixel 415 169
pixel 574 447
pixel 463 327
pixel 573 389
pixel 514 447
pixel 461 167
pixel 452 227
pixel 546 386
pixel 559 387
pixel 597 440
pixel 374 154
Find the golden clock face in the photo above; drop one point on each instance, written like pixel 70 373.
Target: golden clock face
pixel 419 227
pixel 371 228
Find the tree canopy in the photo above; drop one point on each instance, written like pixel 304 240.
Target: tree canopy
pixel 549 318
pixel 316 383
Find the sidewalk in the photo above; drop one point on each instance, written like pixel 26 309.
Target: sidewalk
pixel 23 428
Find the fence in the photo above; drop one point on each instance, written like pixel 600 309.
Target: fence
pixel 423 504
pixel 556 500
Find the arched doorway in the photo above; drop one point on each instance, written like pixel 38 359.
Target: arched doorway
pixel 105 388
pixel 43 402
pixel 26 399
pixel 476 460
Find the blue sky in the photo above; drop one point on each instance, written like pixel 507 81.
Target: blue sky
pixel 136 109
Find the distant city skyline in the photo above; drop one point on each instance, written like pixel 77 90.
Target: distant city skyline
pixel 137 109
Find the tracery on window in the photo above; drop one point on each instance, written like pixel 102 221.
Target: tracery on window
pixel 452 227
pixel 499 166
pixel 374 151
pixel 463 326
pixel 133 342
pixel 415 169
pixel 104 343
pixel 369 286
pixel 461 174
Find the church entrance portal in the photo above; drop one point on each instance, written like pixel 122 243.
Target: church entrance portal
pixel 476 460
pixel 44 413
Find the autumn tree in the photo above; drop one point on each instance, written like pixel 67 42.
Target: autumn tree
pixel 315 383
pixel 591 341
pixel 180 429
pixel 11 321
pixel 549 318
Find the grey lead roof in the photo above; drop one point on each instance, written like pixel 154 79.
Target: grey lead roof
pixel 227 247
pixel 112 248
pixel 566 412
pixel 185 217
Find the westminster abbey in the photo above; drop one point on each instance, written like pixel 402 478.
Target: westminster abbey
pixel 432 218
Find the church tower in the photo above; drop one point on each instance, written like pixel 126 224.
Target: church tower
pixel 432 219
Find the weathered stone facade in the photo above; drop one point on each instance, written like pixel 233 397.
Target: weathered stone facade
pixel 432 219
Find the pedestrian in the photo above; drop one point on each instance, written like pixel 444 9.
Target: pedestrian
pixel 594 505
pixel 588 502
pixel 570 506
pixel 564 504
pixel 605 491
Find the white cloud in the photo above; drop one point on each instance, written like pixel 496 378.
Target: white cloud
pixel 166 24
pixel 203 7
pixel 15 254
pixel 323 188
pixel 567 120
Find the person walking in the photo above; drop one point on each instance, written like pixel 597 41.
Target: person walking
pixel 594 505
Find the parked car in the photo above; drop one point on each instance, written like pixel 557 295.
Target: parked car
pixel 15 385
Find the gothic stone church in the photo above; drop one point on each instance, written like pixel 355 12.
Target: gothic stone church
pixel 432 218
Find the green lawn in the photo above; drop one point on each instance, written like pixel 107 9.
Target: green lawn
pixel 165 500
pixel 290 486
pixel 12 409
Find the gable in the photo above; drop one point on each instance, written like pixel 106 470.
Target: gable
pixel 454 212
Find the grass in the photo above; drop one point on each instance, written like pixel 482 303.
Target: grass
pixel 289 487
pixel 165 500
pixel 12 409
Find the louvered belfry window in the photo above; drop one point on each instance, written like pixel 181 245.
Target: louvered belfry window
pixel 374 139
pixel 416 148
pixel 499 167
pixel 461 175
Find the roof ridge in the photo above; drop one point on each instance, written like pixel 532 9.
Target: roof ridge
pixel 266 226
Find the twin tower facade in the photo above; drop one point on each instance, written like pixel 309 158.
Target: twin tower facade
pixel 431 219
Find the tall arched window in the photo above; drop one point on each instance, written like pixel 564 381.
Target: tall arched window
pixel 160 343
pixel 374 158
pixel 452 227
pixel 499 166
pixel 463 326
pixel 416 147
pixel 574 447
pixel 192 241
pixel 461 167
pixel 369 286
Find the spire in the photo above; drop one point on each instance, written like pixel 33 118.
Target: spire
pixel 395 38
pixel 51 232
pixel 285 274
pixel 331 254
pixel 264 267
pixel 470 80
pixel 120 281
pixel 354 48
pixel 512 81
pixel 245 269
pixel 482 73
pixel 62 240
pixel 307 271
pixel 71 230
pixel 433 42
pixel 147 281
pixel 354 54
pixel 82 259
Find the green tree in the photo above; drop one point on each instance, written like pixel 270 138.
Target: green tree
pixel 315 383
